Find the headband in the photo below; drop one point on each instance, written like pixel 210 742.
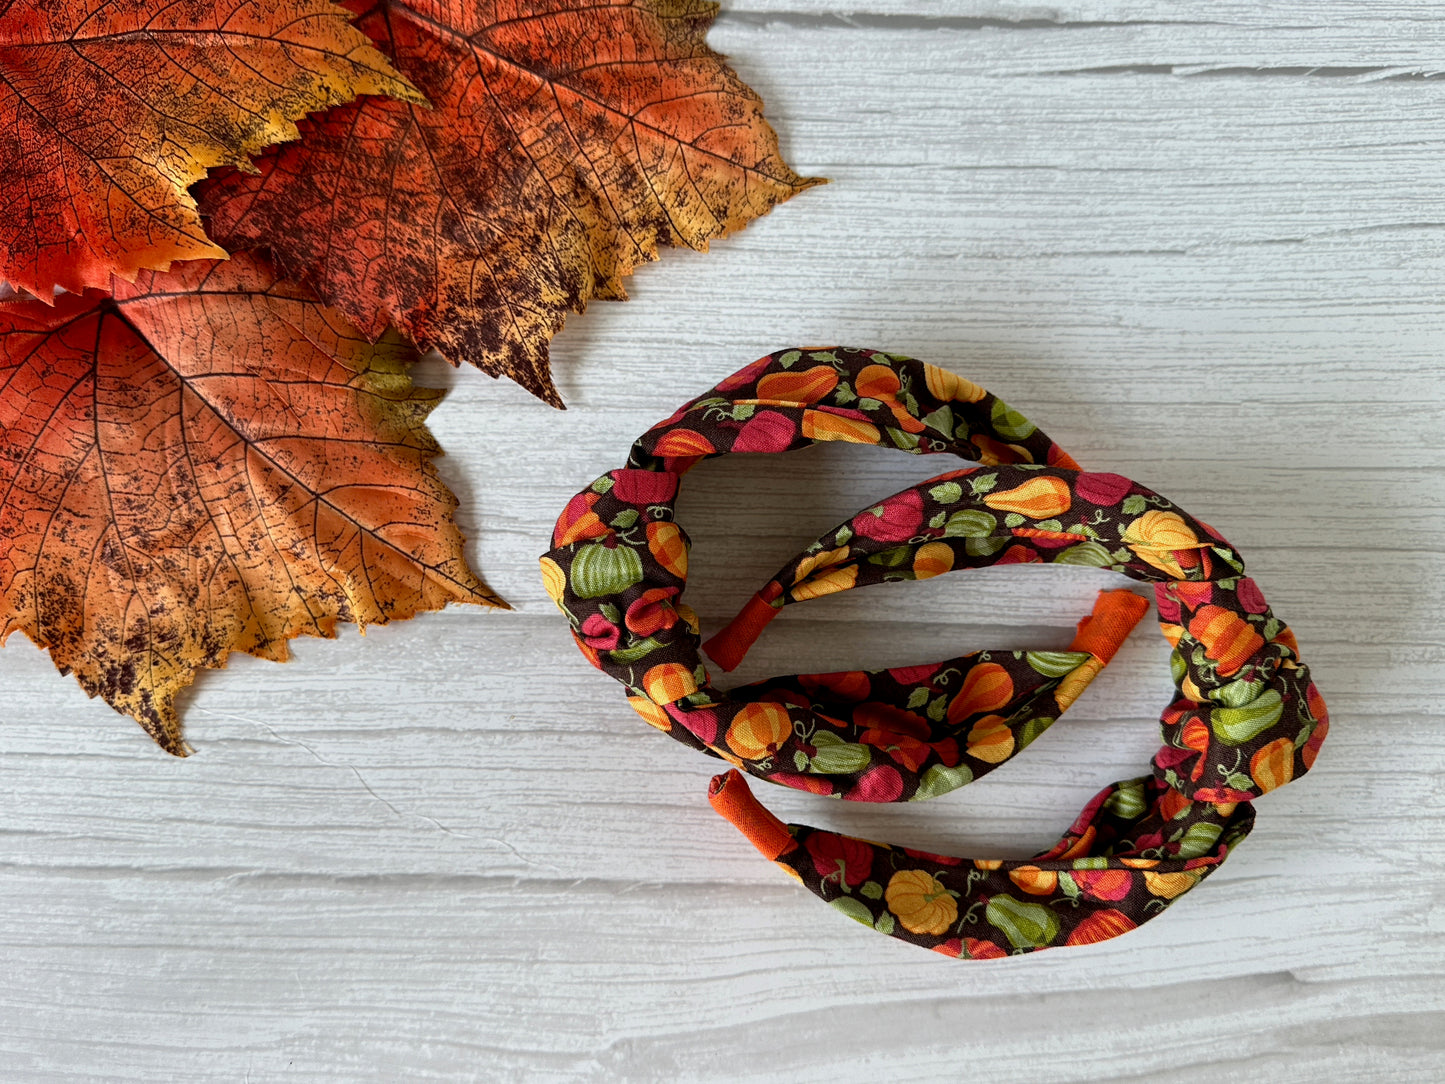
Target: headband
pixel 1244 720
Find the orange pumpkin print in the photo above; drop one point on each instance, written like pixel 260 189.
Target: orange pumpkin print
pixel 1155 535
pixel 932 559
pixel 1228 639
pixel 987 687
pixel 1043 497
pixel 651 713
pixel 881 383
pixel 759 730
pixel 668 548
pixel 826 583
pixel 669 681
pixel 801 388
pixel 1077 680
pixel 554 581
pixel 920 902
pixel 1273 766
pixel 994 453
pixel 1100 926
pixel 948 386
pixel 820 425
pixel 1168 885
pixel 1035 881
pixel 683 442
pixel 991 740
pixel 821 559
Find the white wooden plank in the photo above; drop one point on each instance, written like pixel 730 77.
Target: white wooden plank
pixel 448 850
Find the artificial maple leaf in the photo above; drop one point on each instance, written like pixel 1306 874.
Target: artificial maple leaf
pixel 111 109
pixel 209 462
pixel 566 139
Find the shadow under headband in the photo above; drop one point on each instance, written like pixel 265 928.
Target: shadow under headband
pixel 1245 718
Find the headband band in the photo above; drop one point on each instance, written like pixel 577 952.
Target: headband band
pixel 1245 718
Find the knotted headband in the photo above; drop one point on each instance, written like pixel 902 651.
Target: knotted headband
pixel 1245 718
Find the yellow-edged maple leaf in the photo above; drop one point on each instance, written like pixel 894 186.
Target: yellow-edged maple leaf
pixel 111 109
pixel 566 140
pixel 209 462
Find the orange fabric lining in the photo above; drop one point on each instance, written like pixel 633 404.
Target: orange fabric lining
pixel 730 796
pixel 1114 617
pixel 729 646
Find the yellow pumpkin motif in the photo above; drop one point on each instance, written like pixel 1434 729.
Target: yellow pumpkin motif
pixel 1155 535
pixel 650 712
pixel 669 681
pixel 945 385
pixel 554 580
pixel 1169 885
pixel 759 729
pixel 921 902
pixel 1077 680
pixel 826 583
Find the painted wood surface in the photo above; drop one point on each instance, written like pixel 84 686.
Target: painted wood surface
pixel 1202 244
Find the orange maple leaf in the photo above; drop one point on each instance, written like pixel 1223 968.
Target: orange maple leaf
pixel 566 140
pixel 209 462
pixel 111 109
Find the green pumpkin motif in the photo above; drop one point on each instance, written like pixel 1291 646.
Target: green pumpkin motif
pixel 599 570
pixel 1235 726
pixel 1026 925
pixel 940 779
pixel 1056 664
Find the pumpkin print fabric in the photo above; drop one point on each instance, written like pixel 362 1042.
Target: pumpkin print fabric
pixel 1245 719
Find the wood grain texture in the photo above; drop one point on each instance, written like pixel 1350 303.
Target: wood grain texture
pixel 1202 244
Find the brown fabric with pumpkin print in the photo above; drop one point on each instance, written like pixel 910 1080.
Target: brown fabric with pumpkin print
pixel 1246 718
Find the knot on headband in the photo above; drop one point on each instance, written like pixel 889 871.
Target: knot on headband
pixel 1245 718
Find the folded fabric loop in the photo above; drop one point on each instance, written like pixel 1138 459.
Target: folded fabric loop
pixel 1245 718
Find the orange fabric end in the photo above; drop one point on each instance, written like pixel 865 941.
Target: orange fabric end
pixel 730 796
pixel 1114 617
pixel 729 646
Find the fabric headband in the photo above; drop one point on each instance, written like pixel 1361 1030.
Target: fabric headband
pixel 1245 718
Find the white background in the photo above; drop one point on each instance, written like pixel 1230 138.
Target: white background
pixel 1200 243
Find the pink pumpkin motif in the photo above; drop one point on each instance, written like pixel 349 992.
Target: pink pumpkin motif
pixel 880 783
pixel 895 520
pixel 1102 489
pixel 766 431
pixel 644 486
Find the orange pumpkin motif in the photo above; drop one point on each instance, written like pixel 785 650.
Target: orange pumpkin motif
pixel 554 581
pixel 1155 536
pixel 1100 926
pixel 683 442
pixel 991 740
pixel 920 902
pixel 826 583
pixel 801 388
pixel 932 559
pixel 1273 766
pixel 759 730
pixel 995 453
pixel 1035 881
pixel 1169 885
pixel 820 425
pixel 1228 639
pixel 1077 680
pixel 947 386
pixel 668 548
pixel 987 687
pixel 882 383
pixel 651 713
pixel 1038 498
pixel 668 681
